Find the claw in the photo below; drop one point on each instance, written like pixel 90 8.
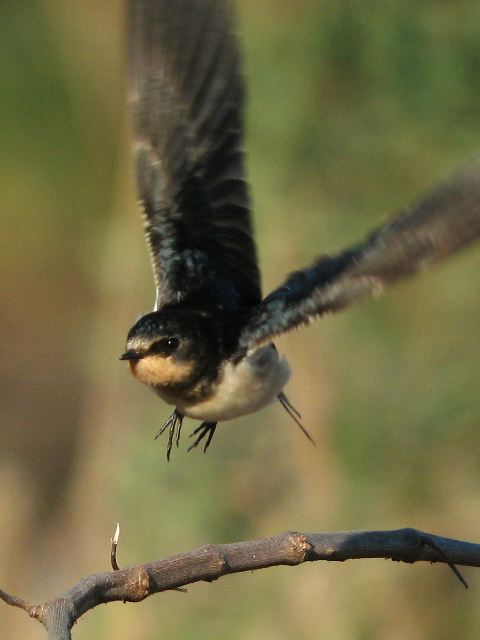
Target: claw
pixel 202 430
pixel 174 426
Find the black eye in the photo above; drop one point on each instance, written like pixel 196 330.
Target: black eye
pixel 165 346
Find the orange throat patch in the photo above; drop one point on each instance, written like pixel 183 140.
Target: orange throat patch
pixel 156 370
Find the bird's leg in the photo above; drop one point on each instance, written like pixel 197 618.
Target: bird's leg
pixel 202 430
pixel 174 426
pixel 294 414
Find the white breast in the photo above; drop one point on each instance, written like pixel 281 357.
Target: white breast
pixel 243 388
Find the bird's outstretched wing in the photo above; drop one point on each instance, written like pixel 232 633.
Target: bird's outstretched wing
pixel 187 94
pixel 444 221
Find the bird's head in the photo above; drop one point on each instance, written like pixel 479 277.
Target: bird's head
pixel 168 348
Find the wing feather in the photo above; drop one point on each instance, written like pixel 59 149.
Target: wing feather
pixel 187 97
pixel 443 222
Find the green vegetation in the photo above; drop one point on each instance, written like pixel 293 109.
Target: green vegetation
pixel 353 110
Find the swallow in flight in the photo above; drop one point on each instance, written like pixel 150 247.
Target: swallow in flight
pixel 207 347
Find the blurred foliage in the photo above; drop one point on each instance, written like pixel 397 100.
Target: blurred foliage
pixel 354 108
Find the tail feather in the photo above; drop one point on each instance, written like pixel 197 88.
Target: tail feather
pixel 294 414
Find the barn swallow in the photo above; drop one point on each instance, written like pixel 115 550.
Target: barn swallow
pixel 207 347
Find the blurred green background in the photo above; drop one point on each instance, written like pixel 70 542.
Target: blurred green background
pixel 354 109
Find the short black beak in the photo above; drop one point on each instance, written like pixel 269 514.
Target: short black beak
pixel 131 354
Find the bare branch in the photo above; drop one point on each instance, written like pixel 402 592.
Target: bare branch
pixel 211 562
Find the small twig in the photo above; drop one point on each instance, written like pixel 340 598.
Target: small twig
pixel 113 549
pixel 15 602
pixel 431 543
pixel 34 611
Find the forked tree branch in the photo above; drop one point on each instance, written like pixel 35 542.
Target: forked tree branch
pixel 211 562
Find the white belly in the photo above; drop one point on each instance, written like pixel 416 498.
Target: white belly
pixel 243 388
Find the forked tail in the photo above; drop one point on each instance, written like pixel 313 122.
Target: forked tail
pixel 294 414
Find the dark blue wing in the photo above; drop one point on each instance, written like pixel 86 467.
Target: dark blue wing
pixel 186 93
pixel 443 222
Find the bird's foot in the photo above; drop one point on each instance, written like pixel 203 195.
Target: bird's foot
pixel 174 426
pixel 204 429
